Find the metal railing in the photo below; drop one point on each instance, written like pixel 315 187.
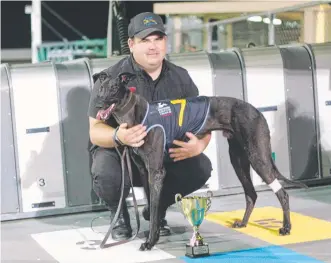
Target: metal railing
pixel 61 51
pixel 275 27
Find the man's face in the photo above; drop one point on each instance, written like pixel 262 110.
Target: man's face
pixel 150 51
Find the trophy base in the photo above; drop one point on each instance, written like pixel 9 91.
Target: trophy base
pixel 198 251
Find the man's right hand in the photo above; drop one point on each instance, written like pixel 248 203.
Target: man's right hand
pixel 132 136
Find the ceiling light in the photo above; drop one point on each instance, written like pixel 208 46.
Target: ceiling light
pixel 255 19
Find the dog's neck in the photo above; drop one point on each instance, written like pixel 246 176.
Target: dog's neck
pixel 133 111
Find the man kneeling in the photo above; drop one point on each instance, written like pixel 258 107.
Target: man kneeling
pixel 157 79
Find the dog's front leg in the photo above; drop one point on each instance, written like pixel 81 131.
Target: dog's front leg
pixel 139 162
pixel 156 179
pixel 156 175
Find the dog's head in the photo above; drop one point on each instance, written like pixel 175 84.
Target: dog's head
pixel 113 92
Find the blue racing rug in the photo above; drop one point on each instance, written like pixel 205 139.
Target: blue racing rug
pixel 270 254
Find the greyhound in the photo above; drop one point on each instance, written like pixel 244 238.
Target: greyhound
pixel 244 127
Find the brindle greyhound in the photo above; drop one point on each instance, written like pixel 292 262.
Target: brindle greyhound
pixel 242 124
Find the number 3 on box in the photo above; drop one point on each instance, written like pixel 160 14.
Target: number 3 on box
pixel 182 103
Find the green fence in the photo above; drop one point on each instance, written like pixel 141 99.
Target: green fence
pixel 61 51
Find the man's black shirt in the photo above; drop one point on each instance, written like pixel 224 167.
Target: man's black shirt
pixel 174 82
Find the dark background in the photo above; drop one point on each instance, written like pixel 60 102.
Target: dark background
pixel 90 18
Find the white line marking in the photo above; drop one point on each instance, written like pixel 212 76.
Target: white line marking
pixel 67 246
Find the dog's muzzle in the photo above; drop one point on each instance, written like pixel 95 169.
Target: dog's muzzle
pixel 105 114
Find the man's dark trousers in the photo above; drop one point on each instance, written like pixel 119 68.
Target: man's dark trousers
pixel 182 177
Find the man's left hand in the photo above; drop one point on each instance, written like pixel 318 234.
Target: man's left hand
pixel 189 149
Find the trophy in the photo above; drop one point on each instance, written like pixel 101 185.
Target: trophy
pixel 194 209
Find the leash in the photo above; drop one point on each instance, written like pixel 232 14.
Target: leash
pixel 124 156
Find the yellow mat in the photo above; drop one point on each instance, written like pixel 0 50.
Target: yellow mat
pixel 265 222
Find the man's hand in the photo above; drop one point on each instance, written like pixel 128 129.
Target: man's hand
pixel 133 136
pixel 189 149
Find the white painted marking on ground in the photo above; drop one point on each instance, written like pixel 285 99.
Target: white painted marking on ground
pixel 67 246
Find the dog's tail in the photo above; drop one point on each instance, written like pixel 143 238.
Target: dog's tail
pixel 286 180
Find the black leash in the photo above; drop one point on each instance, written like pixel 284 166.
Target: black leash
pixel 125 155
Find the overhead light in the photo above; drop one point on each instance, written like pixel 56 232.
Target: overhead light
pixel 275 21
pixel 28 9
pixel 255 19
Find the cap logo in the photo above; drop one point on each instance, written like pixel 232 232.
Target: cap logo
pixel 149 20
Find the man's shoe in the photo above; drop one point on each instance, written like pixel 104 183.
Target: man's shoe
pixel 164 228
pixel 122 229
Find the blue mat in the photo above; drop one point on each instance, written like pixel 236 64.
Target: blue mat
pixel 270 254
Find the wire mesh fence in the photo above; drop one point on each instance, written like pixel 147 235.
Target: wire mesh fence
pixel 309 25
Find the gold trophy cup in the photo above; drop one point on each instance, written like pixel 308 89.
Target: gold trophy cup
pixel 194 209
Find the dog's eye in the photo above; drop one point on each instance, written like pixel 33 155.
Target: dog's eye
pixel 102 90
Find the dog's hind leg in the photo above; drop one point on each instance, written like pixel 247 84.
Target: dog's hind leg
pixel 258 148
pixel 284 200
pixel 241 165
pixel 269 176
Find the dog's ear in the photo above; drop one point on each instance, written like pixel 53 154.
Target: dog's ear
pixel 95 77
pixel 105 86
pixel 125 77
pixel 103 76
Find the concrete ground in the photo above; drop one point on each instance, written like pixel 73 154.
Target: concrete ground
pixel 70 238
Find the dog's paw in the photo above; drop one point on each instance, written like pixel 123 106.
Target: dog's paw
pixel 145 246
pixel 238 224
pixel 284 231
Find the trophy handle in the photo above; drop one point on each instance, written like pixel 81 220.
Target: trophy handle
pixel 178 198
pixel 209 196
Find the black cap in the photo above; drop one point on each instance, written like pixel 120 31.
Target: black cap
pixel 144 24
